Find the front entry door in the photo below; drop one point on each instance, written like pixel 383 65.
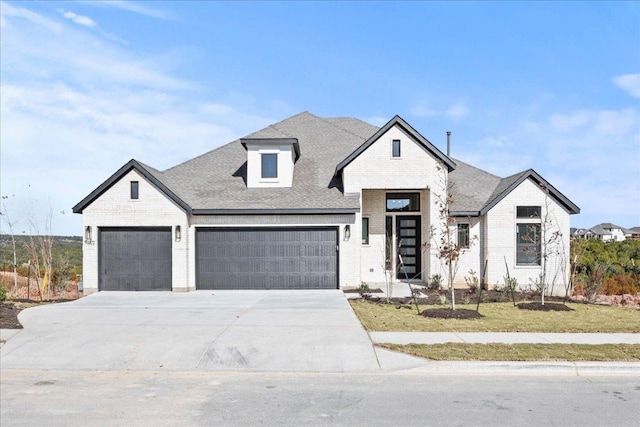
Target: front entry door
pixel 408 243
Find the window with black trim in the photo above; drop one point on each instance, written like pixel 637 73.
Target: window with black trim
pixel 134 190
pixel 463 235
pixel 395 148
pixel 269 165
pixel 388 244
pixel 403 202
pixel 528 244
pixel 532 212
pixel 365 231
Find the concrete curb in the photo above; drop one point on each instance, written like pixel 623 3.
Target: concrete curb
pixel 581 369
pixel 403 338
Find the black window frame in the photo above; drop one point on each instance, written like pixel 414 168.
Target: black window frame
pixel 134 190
pixel 265 156
pixel 388 244
pixel 528 212
pixel 414 202
pixel 528 249
pixel 463 235
pixel 396 153
pixel 365 230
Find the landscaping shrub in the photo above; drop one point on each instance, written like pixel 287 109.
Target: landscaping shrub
pixel 620 284
pixel 3 293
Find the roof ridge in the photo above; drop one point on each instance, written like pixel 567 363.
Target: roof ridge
pixel 326 120
pixel 271 126
pixel 458 161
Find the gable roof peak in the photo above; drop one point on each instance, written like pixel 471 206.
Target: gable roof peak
pixel 406 127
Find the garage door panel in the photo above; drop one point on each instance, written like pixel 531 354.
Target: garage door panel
pixel 267 258
pixel 135 259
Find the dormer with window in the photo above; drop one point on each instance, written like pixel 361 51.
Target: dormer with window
pixel 270 161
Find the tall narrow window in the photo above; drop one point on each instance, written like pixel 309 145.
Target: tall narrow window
pixel 395 148
pixel 388 247
pixel 134 190
pixel 463 235
pixel 528 244
pixel 365 231
pixel 269 165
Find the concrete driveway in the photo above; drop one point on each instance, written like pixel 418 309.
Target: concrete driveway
pixel 296 331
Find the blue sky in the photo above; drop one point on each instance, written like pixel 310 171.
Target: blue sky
pixel 86 86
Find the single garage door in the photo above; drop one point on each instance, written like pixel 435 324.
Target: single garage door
pixel 267 258
pixel 135 259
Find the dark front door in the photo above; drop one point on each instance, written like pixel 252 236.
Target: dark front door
pixel 408 246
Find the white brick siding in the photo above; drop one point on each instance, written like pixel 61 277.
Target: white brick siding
pixel 373 174
pixel 114 208
pixel 501 238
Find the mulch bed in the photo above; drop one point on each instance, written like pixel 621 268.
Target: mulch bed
pixel 357 291
pixel 447 313
pixel 549 306
pixel 9 316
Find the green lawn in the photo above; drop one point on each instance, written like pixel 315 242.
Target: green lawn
pixel 523 352
pixel 501 317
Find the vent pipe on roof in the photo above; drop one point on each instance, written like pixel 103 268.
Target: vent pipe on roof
pixel 448 143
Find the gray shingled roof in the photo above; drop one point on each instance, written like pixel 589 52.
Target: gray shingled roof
pixel 216 180
pixel 471 188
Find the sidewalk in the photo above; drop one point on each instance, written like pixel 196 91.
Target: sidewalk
pixel 502 337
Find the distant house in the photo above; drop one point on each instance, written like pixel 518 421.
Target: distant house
pixel 635 233
pixel 580 233
pixel 317 203
pixel 608 232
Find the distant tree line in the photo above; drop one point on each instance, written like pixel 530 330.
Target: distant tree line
pixel 610 268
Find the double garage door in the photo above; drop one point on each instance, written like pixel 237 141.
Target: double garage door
pixel 267 258
pixel 137 259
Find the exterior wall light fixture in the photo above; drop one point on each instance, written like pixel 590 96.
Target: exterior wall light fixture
pixel 87 235
pixel 347 232
pixel 178 233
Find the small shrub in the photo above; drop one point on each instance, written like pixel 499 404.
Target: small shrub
pixel 536 285
pixel 594 281
pixel 472 282
pixel 442 300
pixel 364 289
pixel 620 284
pixel 435 282
pixel 510 284
pixel 3 293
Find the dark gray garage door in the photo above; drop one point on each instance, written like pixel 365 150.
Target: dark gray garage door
pixel 135 259
pixel 261 258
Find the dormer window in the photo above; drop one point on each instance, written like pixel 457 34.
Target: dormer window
pixel 270 161
pixel 269 165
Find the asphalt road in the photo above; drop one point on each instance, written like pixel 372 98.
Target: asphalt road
pixel 57 398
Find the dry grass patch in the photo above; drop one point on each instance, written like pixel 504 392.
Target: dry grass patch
pixel 501 317
pixel 522 352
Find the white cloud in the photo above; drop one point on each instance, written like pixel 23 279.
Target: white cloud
pixel 7 10
pixel 85 21
pixel 592 156
pixel 74 108
pixel 455 111
pixel 629 83
pixel 130 6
